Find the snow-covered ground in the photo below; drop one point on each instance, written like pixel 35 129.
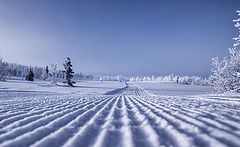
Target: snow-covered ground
pixel 45 87
pixel 172 89
pixel 111 114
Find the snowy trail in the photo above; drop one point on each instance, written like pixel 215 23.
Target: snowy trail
pixel 130 117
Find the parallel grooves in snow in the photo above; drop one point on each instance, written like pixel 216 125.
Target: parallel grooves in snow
pixel 71 128
pixel 186 131
pixel 130 120
pixel 34 117
pixel 126 130
pixel 142 128
pixel 48 119
pixel 163 125
pixel 91 128
pixel 102 139
pixel 203 128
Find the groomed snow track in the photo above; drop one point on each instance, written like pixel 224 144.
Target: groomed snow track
pixel 132 120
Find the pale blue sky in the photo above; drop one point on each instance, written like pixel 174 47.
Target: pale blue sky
pixel 118 36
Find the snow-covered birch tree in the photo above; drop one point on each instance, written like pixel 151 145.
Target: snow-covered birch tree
pixel 226 73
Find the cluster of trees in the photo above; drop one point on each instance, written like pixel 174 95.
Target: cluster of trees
pixel 32 72
pixel 192 80
pixel 118 78
pixel 13 69
pixel 48 73
pixel 189 80
pixel 81 76
pixel 226 71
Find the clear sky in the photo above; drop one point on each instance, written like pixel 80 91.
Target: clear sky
pixel 129 37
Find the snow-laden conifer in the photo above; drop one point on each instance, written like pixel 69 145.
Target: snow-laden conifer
pixel 68 71
pixel 30 76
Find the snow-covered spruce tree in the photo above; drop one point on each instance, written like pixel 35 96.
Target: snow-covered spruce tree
pixel 53 73
pixel 148 78
pixel 68 71
pixel 226 73
pixel 3 70
pixel 45 73
pixel 30 76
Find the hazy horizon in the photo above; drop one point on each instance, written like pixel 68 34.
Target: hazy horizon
pixel 118 37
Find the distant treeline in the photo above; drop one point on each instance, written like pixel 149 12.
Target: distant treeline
pixel 189 80
pixel 12 69
pixel 8 70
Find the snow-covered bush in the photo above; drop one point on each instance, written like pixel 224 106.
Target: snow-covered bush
pixel 184 80
pixel 159 78
pixel 3 70
pixel 226 72
pixel 196 80
pixel 168 78
pixel 192 80
pixel 144 79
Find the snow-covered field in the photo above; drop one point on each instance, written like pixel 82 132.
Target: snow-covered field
pixel 111 114
pixel 172 89
pixel 82 87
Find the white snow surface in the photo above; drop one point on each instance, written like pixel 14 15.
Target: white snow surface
pixel 43 87
pixel 173 89
pixel 112 114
